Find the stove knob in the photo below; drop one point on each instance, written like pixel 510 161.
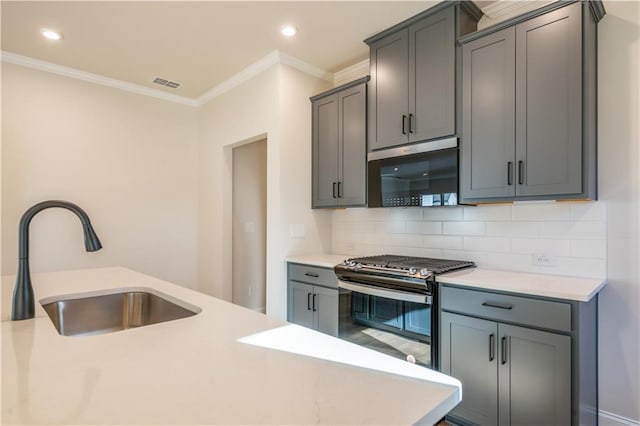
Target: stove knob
pixel 424 272
pixel 412 270
pixel 352 263
pixel 358 265
pixel 345 262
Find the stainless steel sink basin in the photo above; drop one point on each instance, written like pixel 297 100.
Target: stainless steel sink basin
pixel 85 315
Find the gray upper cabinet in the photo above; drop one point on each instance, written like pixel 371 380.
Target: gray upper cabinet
pixel 528 98
pixel 413 76
pixel 339 142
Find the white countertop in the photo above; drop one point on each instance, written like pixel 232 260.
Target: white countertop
pixel 553 286
pixel 322 260
pixel 225 365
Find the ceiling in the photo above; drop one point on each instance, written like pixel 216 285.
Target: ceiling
pixel 198 44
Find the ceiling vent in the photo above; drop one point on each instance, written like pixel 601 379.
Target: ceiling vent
pixel 165 82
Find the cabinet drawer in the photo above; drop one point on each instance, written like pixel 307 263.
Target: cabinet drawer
pixel 503 307
pixel 312 275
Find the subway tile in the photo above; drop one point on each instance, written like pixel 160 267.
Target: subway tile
pixel 417 251
pixel 479 258
pixel 541 212
pixel 487 212
pixel 549 247
pixel 424 227
pixel 594 249
pixel 511 262
pixel 442 213
pixel 488 244
pixel 464 228
pixel 592 210
pixel 574 230
pixel 588 268
pixel 513 229
pixel 443 242
pixel 405 213
pixel 360 214
pixel 406 240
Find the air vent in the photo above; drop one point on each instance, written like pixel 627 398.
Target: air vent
pixel 165 82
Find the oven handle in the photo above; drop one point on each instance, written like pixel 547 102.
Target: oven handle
pixel 389 294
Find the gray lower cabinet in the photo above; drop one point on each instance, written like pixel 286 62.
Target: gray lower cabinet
pixel 312 297
pixel 523 373
pixel 339 144
pixel 413 76
pixel 521 361
pixel 528 98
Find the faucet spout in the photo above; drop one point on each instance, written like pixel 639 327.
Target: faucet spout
pixel 23 306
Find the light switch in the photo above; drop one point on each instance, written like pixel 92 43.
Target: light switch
pixel 297 230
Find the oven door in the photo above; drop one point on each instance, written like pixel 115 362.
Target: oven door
pixel 394 322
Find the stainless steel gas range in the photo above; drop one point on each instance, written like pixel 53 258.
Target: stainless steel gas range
pixel 389 303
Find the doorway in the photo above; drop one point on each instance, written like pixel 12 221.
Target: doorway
pixel 249 225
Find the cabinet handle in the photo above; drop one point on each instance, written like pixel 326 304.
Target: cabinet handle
pixel 339 189
pixel 404 124
pixel 314 302
pixel 410 123
pixel 503 350
pixel 520 172
pixel 509 173
pixel 334 190
pixel 308 301
pixel 312 274
pixel 496 305
pixel 492 349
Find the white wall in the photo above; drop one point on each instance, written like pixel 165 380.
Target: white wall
pixel 124 158
pixel 274 105
pixel 619 159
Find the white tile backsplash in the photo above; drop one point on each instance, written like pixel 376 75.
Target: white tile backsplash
pixel 499 237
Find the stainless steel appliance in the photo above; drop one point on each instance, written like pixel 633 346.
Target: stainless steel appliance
pixel 389 303
pixel 424 174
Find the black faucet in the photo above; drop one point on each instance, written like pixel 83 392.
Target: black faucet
pixel 23 301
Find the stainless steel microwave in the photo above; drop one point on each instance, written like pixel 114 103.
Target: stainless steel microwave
pixel 424 175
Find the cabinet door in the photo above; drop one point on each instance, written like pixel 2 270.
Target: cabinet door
pixel 432 77
pixel 469 353
pixel 326 305
pixel 388 115
pixel 325 152
pixel 488 123
pixel 549 105
pixel 300 304
pixel 352 136
pixel 535 377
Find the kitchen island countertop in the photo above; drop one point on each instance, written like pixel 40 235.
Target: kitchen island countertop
pixel 225 365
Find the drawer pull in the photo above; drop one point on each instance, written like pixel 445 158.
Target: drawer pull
pixel 314 302
pixel 312 274
pixel 492 344
pixel 503 350
pixel 497 305
pixel 308 301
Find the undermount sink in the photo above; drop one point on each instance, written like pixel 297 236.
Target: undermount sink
pixel 86 315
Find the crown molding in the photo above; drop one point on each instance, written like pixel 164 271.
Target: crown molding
pixel 352 72
pixel 25 61
pixel 506 9
pixel 258 67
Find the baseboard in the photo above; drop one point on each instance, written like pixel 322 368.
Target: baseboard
pixel 610 419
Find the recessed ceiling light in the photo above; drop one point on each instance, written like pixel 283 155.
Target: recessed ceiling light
pixel 288 30
pixel 50 34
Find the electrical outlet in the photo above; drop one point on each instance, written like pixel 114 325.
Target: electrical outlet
pixel 541 259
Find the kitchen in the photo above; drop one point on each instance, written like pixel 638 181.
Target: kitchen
pixel 141 153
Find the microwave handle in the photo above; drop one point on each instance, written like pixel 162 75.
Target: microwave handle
pixel 389 294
